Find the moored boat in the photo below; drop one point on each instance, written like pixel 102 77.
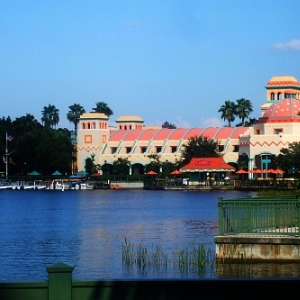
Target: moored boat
pixel 4 185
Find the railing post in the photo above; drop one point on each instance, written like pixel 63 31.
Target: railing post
pixel 60 282
pixel 298 209
pixel 220 209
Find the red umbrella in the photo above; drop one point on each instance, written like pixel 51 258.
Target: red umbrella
pixel 241 171
pixel 151 173
pixel 278 171
pixel 176 172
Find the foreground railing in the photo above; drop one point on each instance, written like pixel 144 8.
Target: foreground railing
pixel 261 215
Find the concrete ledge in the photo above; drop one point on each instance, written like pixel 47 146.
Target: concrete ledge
pixel 258 248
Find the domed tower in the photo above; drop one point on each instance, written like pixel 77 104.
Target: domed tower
pixel 93 133
pixel 279 88
pixel 276 129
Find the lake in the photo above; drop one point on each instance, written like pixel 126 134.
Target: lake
pixel 88 228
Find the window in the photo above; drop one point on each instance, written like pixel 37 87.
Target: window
pixel 221 148
pixel 113 150
pixel 272 96
pixel 83 126
pixel 258 131
pixel 173 149
pixel 158 149
pixel 143 149
pixel 128 150
pixel 279 96
pixel 235 148
pixel 103 138
pixel 278 130
pixel 88 139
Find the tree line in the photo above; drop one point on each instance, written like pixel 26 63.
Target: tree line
pixel 38 145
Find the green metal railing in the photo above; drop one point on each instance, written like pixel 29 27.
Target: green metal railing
pixel 260 216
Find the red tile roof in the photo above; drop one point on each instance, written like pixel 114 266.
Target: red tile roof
pixel 207 164
pixel 162 134
pixel 132 135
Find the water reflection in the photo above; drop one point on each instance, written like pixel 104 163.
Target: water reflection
pixel 87 229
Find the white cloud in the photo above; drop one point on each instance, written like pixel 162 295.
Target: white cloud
pixel 180 123
pixel 294 44
pixel 134 23
pixel 211 122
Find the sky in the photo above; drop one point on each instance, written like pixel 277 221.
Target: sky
pixel 162 60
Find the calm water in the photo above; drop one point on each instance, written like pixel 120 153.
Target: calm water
pixel 87 229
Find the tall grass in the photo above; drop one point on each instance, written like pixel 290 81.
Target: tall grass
pixel 199 260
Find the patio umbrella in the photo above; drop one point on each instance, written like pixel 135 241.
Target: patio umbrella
pixel 279 171
pixel 151 173
pixel 241 171
pixel 34 173
pixel 176 172
pixel 56 173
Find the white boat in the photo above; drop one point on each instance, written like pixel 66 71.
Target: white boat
pixel 79 182
pixel 23 185
pixel 5 185
pixel 82 186
pixel 58 185
pixel 39 185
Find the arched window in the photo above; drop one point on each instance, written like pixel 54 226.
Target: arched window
pixel 272 96
pixel 125 127
pixel 89 125
pixel 83 125
pixel 279 96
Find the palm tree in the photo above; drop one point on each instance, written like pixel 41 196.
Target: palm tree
pixel 101 107
pixel 243 109
pixel 50 116
pixel 228 111
pixel 76 110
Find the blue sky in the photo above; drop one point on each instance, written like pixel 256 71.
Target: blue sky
pixel 171 60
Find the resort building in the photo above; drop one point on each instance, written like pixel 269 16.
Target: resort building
pixel 251 147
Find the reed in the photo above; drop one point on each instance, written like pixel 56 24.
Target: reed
pixel 200 260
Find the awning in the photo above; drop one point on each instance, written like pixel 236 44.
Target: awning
pixel 207 164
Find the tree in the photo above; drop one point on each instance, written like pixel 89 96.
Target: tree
pixel 250 122
pixel 50 116
pixel 243 109
pixel 154 165
pixel 200 146
pixel 289 158
pixel 26 124
pixel 168 125
pixel 228 111
pixel 121 166
pixel 101 107
pixel 76 110
pixel 90 166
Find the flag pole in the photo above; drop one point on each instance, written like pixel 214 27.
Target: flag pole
pixel 6 155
